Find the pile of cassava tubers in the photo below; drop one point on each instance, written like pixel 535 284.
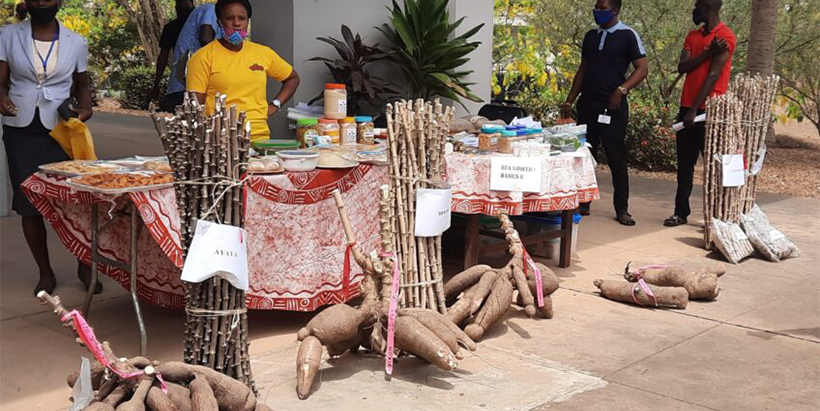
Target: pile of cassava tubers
pixel 486 293
pixel 670 285
pixel 421 332
pixel 189 387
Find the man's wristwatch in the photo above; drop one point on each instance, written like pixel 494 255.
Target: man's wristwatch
pixel 624 90
pixel 277 103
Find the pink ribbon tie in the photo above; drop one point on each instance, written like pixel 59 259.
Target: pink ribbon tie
pixel 391 314
pixel 539 283
pixel 87 336
pixel 645 287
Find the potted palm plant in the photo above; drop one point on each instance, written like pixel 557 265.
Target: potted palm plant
pixel 423 49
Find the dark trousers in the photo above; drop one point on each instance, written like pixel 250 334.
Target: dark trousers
pixel 170 102
pixel 690 142
pixel 612 137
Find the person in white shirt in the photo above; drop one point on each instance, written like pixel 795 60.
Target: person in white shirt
pixel 41 62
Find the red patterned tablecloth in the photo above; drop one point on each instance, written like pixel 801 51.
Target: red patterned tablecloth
pixel 296 245
pixel 566 182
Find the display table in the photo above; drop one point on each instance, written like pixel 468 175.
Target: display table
pixel 296 247
pixel 566 182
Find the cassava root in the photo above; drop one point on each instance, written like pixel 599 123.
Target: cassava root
pixel 486 294
pixel 425 333
pixel 186 383
pixel 701 284
pixel 626 292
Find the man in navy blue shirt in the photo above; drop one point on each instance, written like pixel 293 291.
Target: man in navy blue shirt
pixel 601 81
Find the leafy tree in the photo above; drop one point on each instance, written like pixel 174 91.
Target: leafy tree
pixel 149 18
pixel 797 60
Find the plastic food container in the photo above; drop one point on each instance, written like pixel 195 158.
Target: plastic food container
pixel 349 131
pixel 553 247
pixel 307 130
pixel 271 147
pixel 505 142
pixel 366 130
pixel 489 137
pixel 329 127
pixel 298 160
pixel 335 101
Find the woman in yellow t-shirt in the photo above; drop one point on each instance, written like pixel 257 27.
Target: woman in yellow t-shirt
pixel 239 68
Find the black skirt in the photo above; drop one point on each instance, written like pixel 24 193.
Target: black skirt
pixel 27 149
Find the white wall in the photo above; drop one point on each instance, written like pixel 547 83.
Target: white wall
pixel 481 60
pixel 273 26
pixel 291 27
pixel 324 18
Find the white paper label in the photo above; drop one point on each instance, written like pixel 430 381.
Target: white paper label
pixel 47 94
pixel 433 211
pixel 217 250
pixel 604 119
pixel 350 137
pixel 343 106
pixel 516 174
pixel 734 170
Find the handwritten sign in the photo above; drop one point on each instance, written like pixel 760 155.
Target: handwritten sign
pixel 217 250
pixel 433 211
pixel 516 174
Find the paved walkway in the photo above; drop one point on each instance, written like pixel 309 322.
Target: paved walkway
pixel 756 348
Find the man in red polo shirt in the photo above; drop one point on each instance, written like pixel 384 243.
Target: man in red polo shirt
pixel 707 61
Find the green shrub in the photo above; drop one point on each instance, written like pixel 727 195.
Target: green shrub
pixel 545 106
pixel 650 141
pixel 136 84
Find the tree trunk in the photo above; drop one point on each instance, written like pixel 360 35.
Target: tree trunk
pixel 762 43
pixel 149 18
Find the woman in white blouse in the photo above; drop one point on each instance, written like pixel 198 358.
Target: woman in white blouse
pixel 41 61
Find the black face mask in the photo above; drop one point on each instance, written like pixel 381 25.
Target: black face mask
pixel 42 15
pixel 698 17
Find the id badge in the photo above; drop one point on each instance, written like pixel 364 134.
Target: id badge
pixel 47 94
pixel 604 119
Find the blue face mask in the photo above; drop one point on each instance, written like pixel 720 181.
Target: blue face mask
pixel 602 17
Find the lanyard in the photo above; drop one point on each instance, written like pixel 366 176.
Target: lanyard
pixel 50 50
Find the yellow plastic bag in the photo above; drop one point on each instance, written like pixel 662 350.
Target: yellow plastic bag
pixel 75 139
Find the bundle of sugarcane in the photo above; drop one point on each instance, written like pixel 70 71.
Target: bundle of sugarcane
pixel 723 137
pixel 757 93
pixel 209 156
pixel 417 133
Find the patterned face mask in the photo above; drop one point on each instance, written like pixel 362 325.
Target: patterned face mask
pixel 234 36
